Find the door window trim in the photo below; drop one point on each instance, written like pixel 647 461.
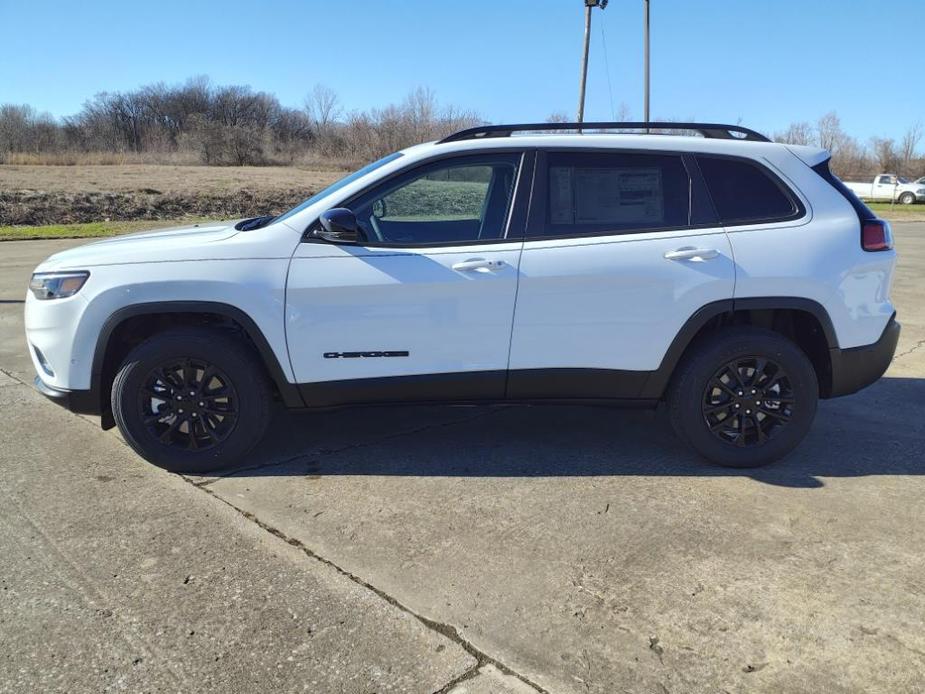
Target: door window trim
pixel 515 222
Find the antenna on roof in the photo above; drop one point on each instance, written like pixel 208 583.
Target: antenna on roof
pixel 589 4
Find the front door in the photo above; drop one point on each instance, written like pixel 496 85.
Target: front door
pixel 422 309
pixel 621 249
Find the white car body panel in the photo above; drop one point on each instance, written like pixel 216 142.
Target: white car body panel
pixel 613 302
pixel 349 298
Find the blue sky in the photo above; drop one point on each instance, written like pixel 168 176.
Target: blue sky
pixel 768 63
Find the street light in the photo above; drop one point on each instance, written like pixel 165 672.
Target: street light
pixel 589 4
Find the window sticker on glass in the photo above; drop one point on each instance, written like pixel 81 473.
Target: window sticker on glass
pixel 561 209
pixel 620 196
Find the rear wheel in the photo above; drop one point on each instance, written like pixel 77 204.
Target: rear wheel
pixel 744 397
pixel 907 198
pixel 191 400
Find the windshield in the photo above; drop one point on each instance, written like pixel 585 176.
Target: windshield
pixel 346 180
pixel 903 179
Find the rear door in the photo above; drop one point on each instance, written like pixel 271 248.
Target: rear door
pixel 621 249
pixel 422 309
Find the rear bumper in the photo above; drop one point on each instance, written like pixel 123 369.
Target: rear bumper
pixel 858 367
pixel 79 401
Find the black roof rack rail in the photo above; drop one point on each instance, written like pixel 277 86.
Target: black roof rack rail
pixel 716 131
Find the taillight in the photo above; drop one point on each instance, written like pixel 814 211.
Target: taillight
pixel 876 235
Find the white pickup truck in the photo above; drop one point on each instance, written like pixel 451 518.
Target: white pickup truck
pixel 889 187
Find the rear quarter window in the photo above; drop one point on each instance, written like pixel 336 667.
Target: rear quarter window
pixel 745 193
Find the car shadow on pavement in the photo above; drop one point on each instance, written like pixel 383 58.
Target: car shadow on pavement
pixel 880 431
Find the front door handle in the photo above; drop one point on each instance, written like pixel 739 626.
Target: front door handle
pixel 475 264
pixel 691 253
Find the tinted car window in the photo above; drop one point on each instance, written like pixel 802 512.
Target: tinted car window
pixel 743 192
pixel 597 193
pixel 455 200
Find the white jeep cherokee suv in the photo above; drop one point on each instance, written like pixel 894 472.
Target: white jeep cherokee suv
pixel 735 279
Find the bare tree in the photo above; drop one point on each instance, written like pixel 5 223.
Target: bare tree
pixel 829 132
pixel 800 133
pixel 558 117
pixel 322 107
pixel 884 150
pixel 908 147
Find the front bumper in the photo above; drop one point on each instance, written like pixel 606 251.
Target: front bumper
pixel 79 401
pixel 858 367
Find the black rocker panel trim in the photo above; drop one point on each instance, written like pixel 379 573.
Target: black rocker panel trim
pixel 558 386
pixel 288 391
pixel 466 386
pixel 609 384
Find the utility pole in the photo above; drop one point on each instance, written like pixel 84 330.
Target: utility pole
pixel 645 28
pixel 589 4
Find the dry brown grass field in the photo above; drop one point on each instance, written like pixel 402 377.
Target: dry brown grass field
pixel 130 178
pixel 38 201
pixel 33 196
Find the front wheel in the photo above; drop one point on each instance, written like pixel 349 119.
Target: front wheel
pixel 191 400
pixel 907 198
pixel 744 397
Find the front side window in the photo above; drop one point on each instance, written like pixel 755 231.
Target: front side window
pixel 337 185
pixel 459 200
pixel 744 193
pixel 599 193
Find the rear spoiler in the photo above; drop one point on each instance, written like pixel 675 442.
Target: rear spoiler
pixel 811 156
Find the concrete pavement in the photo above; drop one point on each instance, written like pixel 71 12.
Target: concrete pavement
pixel 580 550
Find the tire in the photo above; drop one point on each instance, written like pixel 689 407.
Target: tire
pixel 224 416
pixel 706 413
pixel 907 199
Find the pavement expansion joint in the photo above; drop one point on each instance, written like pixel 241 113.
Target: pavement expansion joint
pixel 914 348
pixel 447 630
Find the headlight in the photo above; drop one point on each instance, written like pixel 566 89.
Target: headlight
pixel 57 285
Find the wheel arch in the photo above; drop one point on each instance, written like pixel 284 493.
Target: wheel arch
pixel 804 321
pixel 131 324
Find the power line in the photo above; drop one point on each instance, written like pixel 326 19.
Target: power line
pixel 613 112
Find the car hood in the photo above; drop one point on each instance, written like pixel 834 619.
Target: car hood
pixel 162 245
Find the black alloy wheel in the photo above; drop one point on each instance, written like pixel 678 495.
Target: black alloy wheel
pixel 188 404
pixel 743 396
pixel 748 401
pixel 192 399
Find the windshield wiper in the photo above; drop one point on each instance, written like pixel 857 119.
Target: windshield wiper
pixel 254 223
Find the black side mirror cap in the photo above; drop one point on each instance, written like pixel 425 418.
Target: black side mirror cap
pixel 338 225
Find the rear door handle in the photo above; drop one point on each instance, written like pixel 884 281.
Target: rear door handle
pixel 691 253
pixel 474 264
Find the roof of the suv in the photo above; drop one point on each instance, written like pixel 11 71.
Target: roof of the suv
pixel 714 139
pixel 669 143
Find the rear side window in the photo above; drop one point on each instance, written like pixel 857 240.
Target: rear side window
pixel 744 193
pixel 597 193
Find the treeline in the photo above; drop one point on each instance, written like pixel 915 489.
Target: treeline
pixel 223 125
pixel 198 122
pixel 852 158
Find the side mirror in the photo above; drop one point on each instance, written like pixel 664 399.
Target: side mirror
pixel 339 226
